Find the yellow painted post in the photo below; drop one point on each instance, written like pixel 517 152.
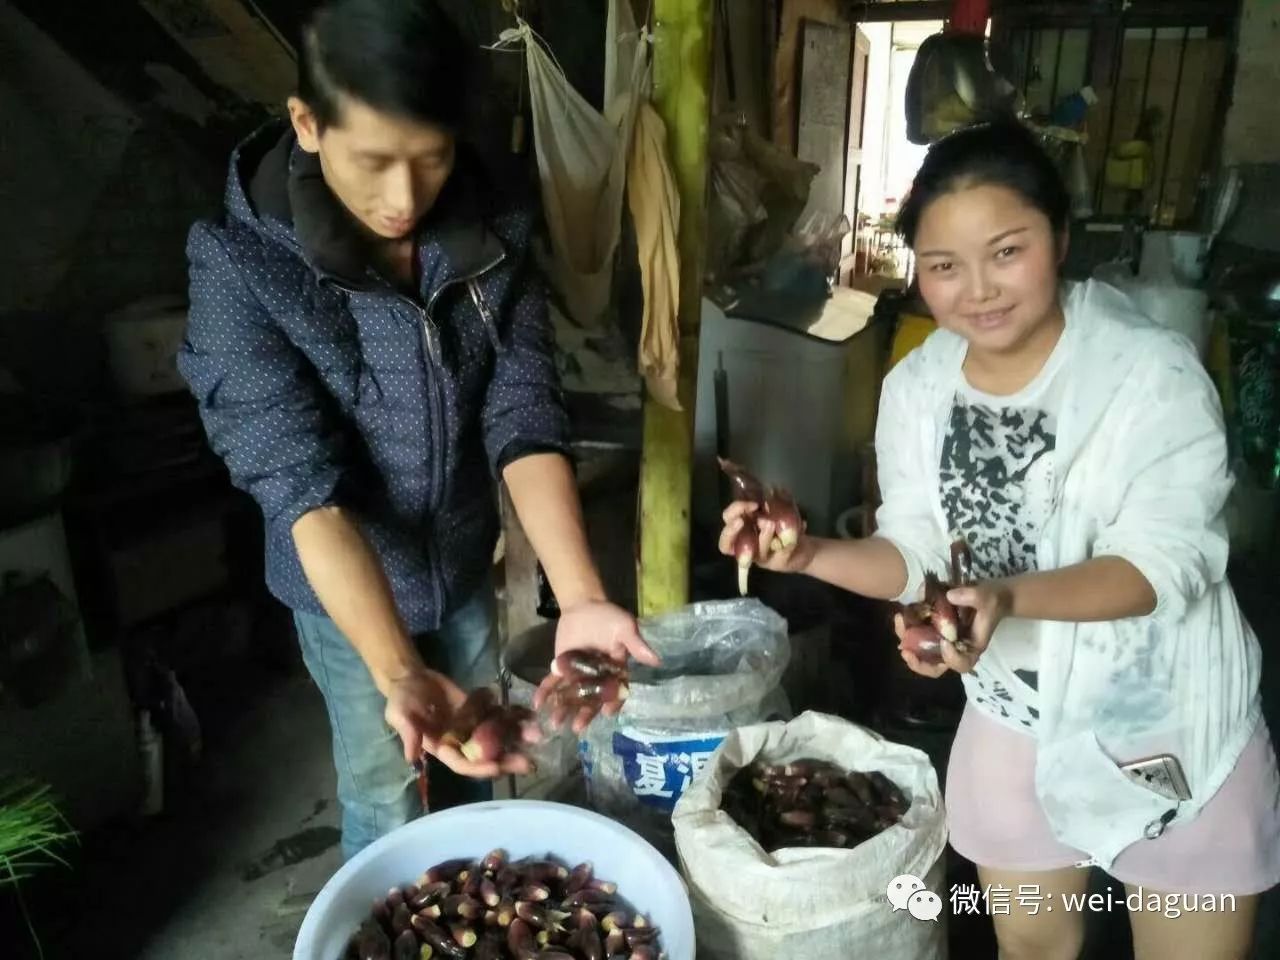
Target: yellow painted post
pixel 682 83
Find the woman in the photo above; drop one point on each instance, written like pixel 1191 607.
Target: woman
pixel 1079 449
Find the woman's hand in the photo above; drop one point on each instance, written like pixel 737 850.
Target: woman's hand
pixel 991 601
pixel 793 559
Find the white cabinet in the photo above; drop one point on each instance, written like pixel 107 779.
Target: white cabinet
pixel 793 381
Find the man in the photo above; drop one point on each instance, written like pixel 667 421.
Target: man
pixel 369 347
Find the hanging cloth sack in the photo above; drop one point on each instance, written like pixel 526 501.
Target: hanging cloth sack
pixel 582 158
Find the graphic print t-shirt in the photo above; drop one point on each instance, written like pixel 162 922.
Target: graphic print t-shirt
pixel 997 482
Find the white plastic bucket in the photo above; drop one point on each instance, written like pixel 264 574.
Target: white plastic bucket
pixel 523 828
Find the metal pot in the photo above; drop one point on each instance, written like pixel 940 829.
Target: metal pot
pixel 952 85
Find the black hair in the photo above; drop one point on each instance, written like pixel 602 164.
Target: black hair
pixel 1004 154
pixel 402 57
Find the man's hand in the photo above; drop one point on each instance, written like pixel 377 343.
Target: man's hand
pixel 599 626
pixel 420 706
pixel 991 601
pixel 545 494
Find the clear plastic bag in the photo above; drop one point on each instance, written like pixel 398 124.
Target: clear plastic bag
pixel 722 667
pixel 805 267
pixel 819 234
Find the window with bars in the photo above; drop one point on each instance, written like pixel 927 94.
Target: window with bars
pixel 1160 74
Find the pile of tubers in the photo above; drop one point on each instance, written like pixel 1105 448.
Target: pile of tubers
pixel 812 803
pixel 774 503
pixel 494 909
pixel 484 730
pixel 930 623
pixel 586 680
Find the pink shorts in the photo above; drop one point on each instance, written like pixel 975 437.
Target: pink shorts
pixel 995 820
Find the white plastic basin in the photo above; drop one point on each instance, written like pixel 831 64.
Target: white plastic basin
pixel 523 828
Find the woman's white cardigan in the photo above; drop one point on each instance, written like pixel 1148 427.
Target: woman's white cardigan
pixel 1142 473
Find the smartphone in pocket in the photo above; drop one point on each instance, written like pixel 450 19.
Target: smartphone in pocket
pixel 1161 774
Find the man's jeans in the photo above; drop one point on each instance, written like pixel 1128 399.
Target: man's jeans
pixel 376 788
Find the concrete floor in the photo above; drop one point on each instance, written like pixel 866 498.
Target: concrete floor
pixel 277 839
pixel 229 875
